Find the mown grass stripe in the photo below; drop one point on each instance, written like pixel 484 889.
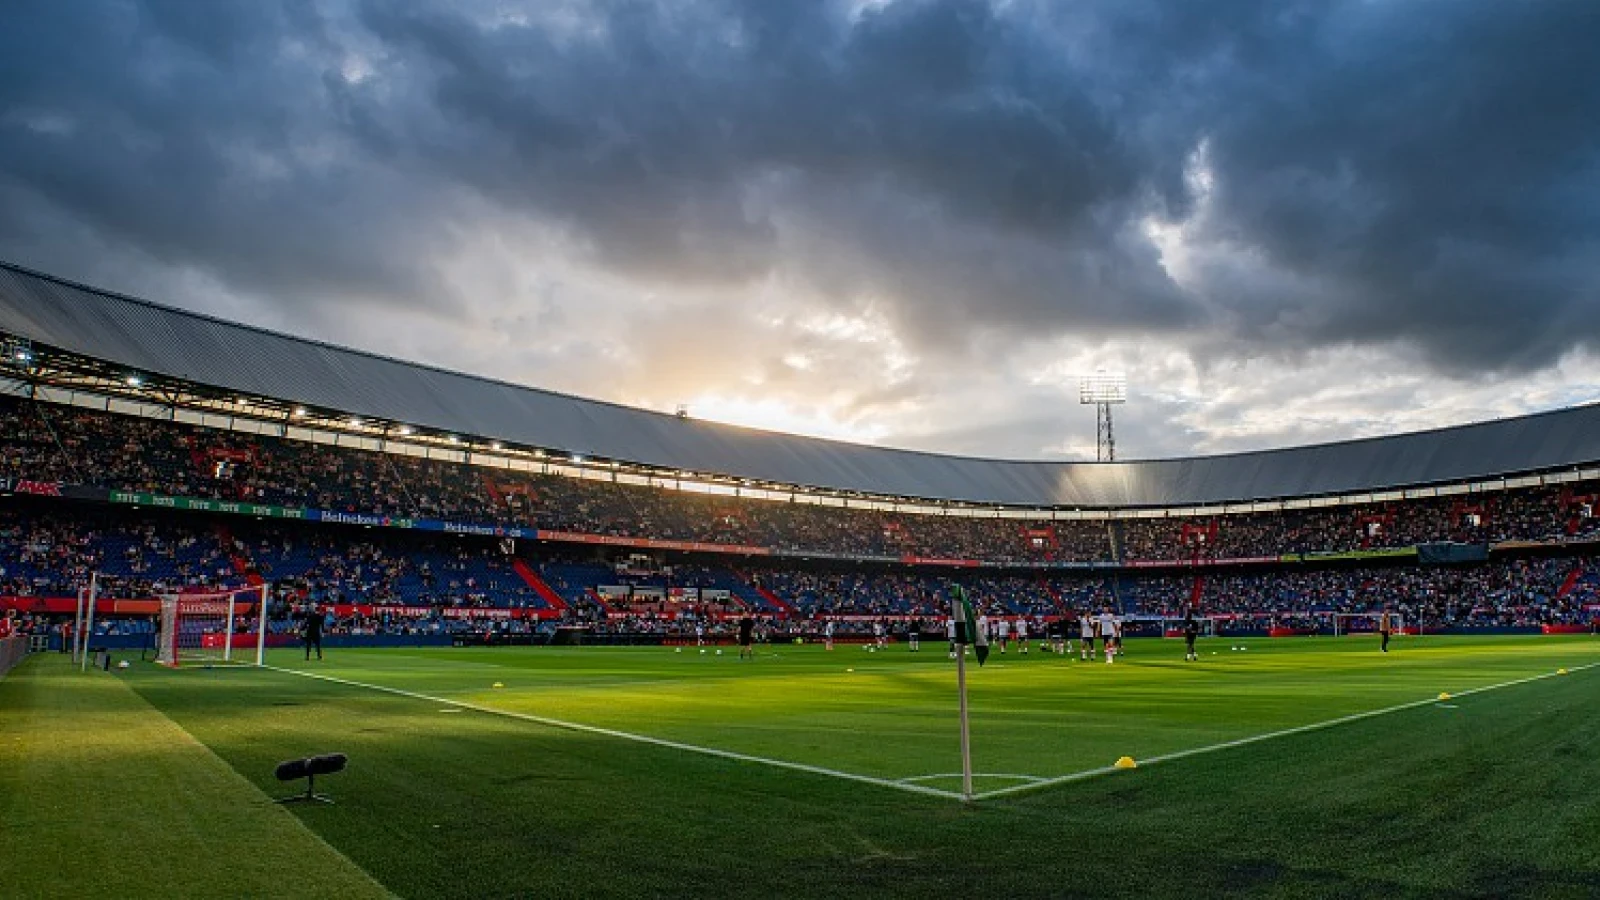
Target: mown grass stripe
pixel 104 794
pixel 1271 735
pixel 630 736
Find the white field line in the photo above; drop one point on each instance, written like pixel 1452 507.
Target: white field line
pixel 915 778
pixel 629 736
pixel 1228 745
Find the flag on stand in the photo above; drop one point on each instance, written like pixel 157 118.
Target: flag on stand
pixel 967 630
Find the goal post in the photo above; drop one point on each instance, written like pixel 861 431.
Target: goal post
pixel 1172 626
pixel 261 623
pixel 83 626
pixel 1345 624
pixel 203 626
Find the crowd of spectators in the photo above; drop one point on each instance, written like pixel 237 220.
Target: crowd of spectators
pixel 59 443
pixel 393 569
pixel 1529 514
pixel 53 555
pixel 854 593
pixel 424 584
pixel 1516 592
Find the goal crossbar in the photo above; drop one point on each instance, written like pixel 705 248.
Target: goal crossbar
pixel 1368 620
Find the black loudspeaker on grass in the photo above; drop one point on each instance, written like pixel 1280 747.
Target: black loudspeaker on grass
pixel 309 768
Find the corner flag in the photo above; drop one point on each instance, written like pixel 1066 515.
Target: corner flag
pixel 967 630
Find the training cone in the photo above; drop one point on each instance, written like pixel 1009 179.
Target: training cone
pixel 499 684
pixel 1561 671
pixel 1126 762
pixel 1443 696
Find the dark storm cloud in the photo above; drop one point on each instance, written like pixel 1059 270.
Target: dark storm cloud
pixel 1428 170
pixel 1412 172
pixel 683 144
pixel 200 134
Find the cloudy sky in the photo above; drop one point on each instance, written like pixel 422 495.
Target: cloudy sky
pixel 909 223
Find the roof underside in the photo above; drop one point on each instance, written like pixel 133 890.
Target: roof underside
pixel 159 340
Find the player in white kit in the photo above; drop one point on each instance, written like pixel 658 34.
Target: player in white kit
pixel 1108 631
pixel 1022 635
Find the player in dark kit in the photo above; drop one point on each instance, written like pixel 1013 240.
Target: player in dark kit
pixel 1191 630
pixel 311 629
pixel 747 627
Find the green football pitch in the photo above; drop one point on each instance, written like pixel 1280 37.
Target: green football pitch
pixel 1303 768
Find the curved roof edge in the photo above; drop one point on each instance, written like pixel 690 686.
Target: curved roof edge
pixel 161 340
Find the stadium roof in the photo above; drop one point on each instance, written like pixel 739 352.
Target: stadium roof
pixel 159 340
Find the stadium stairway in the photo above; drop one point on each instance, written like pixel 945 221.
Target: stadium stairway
pixel 493 490
pixel 1587 588
pixel 773 600
pixel 1053 594
pixel 1570 582
pixel 1197 592
pixel 200 461
pixel 1114 537
pixel 241 563
pixel 545 591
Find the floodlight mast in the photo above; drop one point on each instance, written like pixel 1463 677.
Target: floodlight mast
pixel 1101 390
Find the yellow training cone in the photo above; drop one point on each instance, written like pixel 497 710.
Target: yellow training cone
pixel 1561 671
pixel 498 684
pixel 1443 696
pixel 1126 762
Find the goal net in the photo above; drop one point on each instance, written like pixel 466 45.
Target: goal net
pixel 1172 627
pixel 211 627
pixel 1366 623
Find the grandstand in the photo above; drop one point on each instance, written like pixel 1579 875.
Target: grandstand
pixel 484 500
pixel 167 453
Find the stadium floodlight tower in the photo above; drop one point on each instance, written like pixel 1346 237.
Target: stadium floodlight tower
pixel 1102 389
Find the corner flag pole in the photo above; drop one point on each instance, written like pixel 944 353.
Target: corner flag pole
pixel 967 632
pixel 966 734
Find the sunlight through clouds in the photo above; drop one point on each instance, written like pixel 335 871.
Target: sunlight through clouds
pixel 908 223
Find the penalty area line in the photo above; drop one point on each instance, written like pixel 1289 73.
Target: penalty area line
pixel 630 736
pixel 1228 745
